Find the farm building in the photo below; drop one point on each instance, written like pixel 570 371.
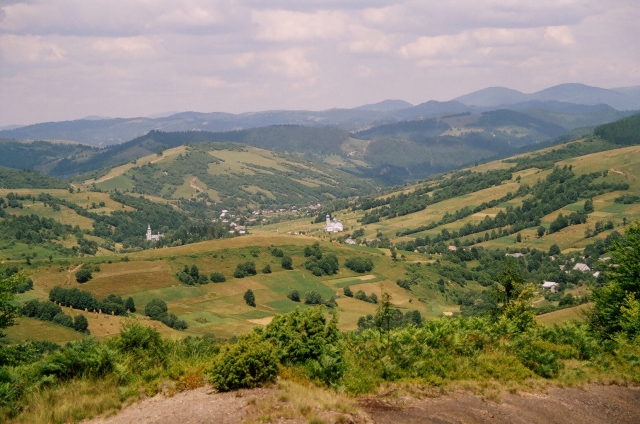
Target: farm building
pixel 550 285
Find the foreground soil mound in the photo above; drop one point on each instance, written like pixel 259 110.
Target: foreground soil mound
pixel 595 404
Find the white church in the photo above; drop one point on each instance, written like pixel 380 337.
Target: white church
pixel 153 237
pixel 334 226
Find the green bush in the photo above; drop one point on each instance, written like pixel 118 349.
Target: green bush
pixel 266 269
pixel 247 364
pixel 217 277
pixel 286 262
pixel 312 298
pixel 83 275
pixel 250 298
pixel 359 264
pixel 348 292
pixel 245 269
pixel 294 295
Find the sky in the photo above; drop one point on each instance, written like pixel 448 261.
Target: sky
pixel 67 59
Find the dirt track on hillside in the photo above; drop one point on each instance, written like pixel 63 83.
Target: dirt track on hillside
pixel 595 404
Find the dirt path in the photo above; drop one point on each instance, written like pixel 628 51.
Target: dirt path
pixel 596 404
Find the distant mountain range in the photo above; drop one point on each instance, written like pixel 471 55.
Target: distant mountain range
pixel 568 105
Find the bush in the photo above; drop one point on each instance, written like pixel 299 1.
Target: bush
pixel 156 309
pixel 312 298
pixel 266 269
pixel 359 264
pixel 250 298
pixel 287 262
pixel 361 295
pixel 247 364
pixel 80 323
pixel 217 277
pixel 278 253
pixel 294 295
pixel 130 305
pixel 348 292
pixel 245 269
pixel 83 275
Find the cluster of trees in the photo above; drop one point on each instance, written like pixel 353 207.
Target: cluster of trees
pixel 458 184
pixel 627 199
pixel 312 298
pixel 80 299
pixel 625 131
pixel 318 263
pixel 398 320
pixel 13 178
pixel 361 295
pixel 191 276
pixel 47 311
pixel 359 264
pixel 85 273
pixel 245 269
pixel 157 310
pixel 561 188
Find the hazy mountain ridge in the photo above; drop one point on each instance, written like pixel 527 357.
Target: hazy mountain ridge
pixel 566 98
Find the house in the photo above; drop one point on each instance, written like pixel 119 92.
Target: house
pixel 334 226
pixel 452 248
pixel 350 241
pixel 550 285
pixel 581 267
pixel 605 259
pixel 515 255
pixel 596 274
pixel 153 237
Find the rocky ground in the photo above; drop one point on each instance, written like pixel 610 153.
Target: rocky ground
pixel 594 404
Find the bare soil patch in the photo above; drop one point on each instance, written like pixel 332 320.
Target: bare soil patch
pixel 595 404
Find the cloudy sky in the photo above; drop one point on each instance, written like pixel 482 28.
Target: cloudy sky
pixel 66 59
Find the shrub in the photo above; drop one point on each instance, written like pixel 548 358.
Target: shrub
pixel 63 319
pixel 250 298
pixel 287 262
pixel 247 364
pixel 348 292
pixel 312 298
pixel 130 305
pixel 359 264
pixel 294 295
pixel 361 295
pixel 278 253
pixel 83 275
pixel 80 323
pixel 266 269
pixel 156 309
pixel 217 277
pixel 245 269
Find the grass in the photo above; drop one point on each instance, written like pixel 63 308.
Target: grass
pixel 563 315
pixel 34 329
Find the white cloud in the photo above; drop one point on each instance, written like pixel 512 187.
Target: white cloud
pixel 561 34
pixel 30 49
pixel 292 63
pixel 127 45
pixel 284 25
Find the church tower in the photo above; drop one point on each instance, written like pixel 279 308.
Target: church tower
pixel 149 232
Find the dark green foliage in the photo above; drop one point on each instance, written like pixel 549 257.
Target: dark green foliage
pixel 245 269
pixel 250 298
pixel 278 253
pixel 83 275
pixel 266 269
pixel 312 298
pixel 554 249
pixel 47 311
pixel 11 178
pixel 347 291
pixel 294 295
pixel 130 305
pixel 627 199
pixel 217 277
pixel 625 131
pixel 286 262
pixel 359 264
pixel 361 295
pixel 318 263
pixel 157 310
pixel 191 276
pixel 247 364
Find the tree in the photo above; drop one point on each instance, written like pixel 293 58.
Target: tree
pixel 287 262
pixel 156 309
pixel 384 315
pixel 588 206
pixel 130 305
pixel 217 277
pixel 80 323
pixel 348 292
pixel 312 298
pixel 266 269
pixel 250 298
pixel 554 249
pixel 8 310
pixel 519 238
pixel 83 275
pixel 541 231
pixel 623 289
pixel 294 295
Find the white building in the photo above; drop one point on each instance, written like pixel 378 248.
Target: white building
pixel 153 237
pixel 550 285
pixel 334 226
pixel 350 241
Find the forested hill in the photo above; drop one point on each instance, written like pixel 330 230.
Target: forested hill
pixel 12 178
